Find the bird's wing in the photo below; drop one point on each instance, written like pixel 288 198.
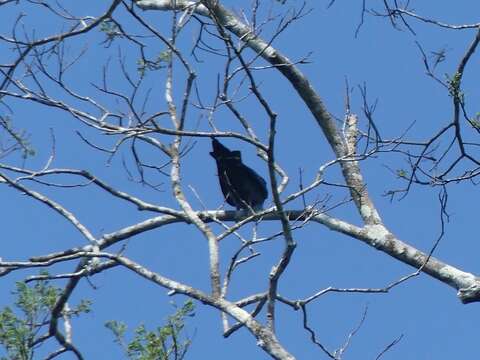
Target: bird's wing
pixel 228 185
pixel 261 184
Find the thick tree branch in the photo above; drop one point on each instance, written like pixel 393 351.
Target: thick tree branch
pixel 376 236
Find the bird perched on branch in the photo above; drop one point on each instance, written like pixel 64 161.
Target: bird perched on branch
pixel 242 187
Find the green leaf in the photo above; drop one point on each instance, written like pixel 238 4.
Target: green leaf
pixel 164 343
pixel 20 326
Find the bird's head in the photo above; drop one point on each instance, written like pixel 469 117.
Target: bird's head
pixel 221 152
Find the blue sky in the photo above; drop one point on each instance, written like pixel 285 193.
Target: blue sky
pixel 433 322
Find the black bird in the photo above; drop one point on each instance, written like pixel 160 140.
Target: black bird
pixel 241 186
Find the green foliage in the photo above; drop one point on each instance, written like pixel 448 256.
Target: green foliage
pixel 454 86
pixel 402 173
pixel 158 63
pixel 21 326
pixel 163 343
pixel 15 336
pixel 111 31
pixel 17 333
pixel 33 305
pixel 20 138
pixel 475 122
